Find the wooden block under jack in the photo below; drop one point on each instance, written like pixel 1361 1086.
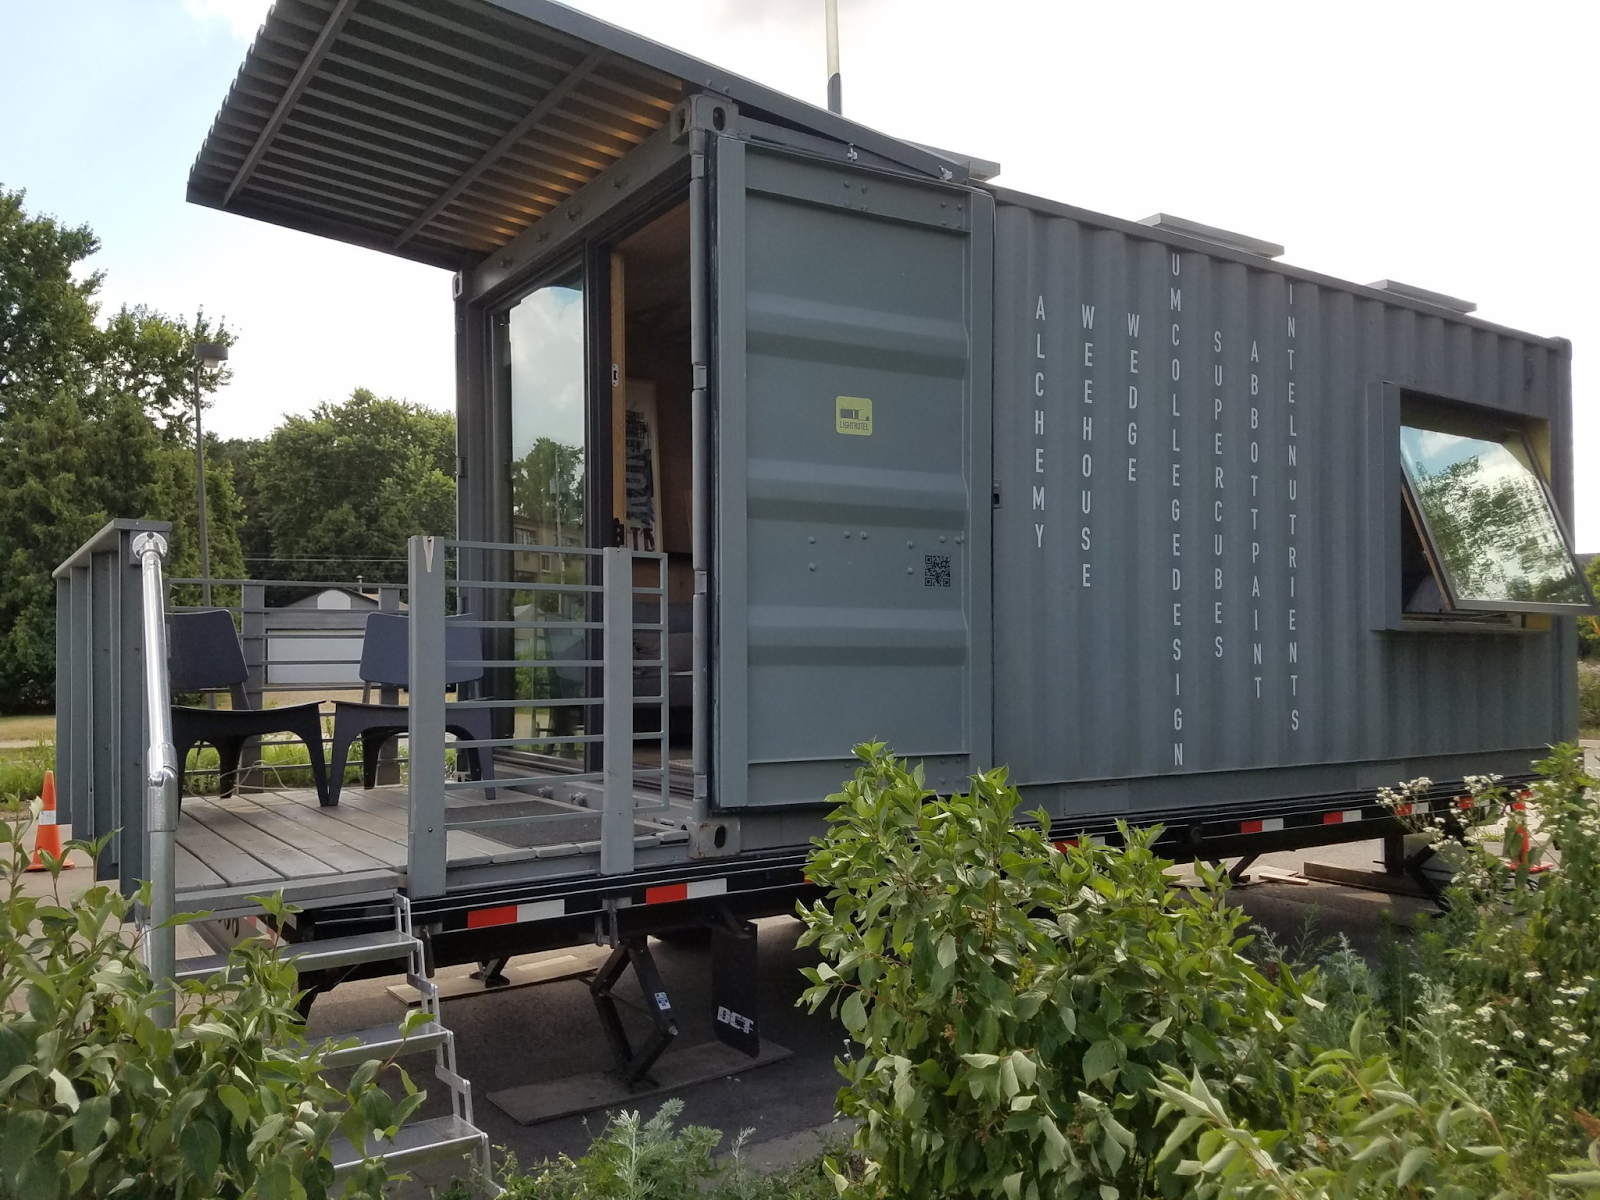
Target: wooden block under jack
pixel 1278 875
pixel 1372 881
pixel 545 970
pixel 677 1069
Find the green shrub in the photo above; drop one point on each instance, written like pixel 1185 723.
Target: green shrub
pixel 97 1099
pixel 1589 697
pixel 22 769
pixel 1016 1002
pixel 1486 1082
pixel 635 1159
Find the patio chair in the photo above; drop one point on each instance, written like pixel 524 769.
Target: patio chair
pixel 203 652
pixel 386 663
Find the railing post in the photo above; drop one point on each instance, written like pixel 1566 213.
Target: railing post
pixel 253 638
pixel 616 815
pixel 70 779
pixel 425 862
pixel 161 772
pixel 389 755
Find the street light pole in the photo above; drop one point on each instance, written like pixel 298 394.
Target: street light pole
pixel 835 96
pixel 209 355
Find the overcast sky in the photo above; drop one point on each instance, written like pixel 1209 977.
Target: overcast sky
pixel 1447 145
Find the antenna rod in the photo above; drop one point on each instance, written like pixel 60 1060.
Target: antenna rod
pixel 835 99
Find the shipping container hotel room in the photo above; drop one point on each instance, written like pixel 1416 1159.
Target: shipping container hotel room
pixel 1175 531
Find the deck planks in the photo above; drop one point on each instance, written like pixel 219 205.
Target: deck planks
pixel 315 837
pixel 283 839
pixel 217 854
pixel 287 860
pixel 376 843
pixel 192 873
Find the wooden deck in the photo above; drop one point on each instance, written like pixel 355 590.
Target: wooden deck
pixel 230 848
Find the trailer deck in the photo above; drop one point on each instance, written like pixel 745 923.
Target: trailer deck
pixel 234 847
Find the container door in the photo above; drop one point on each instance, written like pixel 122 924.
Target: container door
pixel 853 474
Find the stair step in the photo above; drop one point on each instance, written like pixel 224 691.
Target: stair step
pixel 418 1141
pixel 317 955
pixel 382 1041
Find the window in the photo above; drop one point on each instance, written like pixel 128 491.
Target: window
pixel 546 353
pixel 1482 523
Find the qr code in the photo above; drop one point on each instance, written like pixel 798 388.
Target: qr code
pixel 936 570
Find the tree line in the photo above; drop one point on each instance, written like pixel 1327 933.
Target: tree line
pixel 97 421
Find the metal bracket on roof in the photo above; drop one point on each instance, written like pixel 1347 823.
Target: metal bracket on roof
pixel 1438 299
pixel 1209 233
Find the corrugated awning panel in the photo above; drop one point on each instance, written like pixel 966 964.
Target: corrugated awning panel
pixel 432 129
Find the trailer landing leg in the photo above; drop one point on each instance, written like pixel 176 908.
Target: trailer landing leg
pixel 634 1066
pixel 492 971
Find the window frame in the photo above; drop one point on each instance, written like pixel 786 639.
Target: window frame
pixel 1414 510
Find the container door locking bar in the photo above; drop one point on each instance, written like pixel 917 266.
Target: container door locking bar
pixel 634 1066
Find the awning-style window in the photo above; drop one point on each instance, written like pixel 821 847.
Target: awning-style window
pixel 1493 536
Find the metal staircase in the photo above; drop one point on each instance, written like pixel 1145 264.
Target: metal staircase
pixel 418 1140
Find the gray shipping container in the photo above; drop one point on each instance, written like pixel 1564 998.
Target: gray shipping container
pixel 998 481
pixel 1196 524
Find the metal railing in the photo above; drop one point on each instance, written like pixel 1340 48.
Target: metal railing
pixel 574 658
pixel 116 768
pixel 101 769
pixel 477 585
pixel 161 770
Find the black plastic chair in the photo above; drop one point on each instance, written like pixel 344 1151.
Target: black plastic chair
pixel 203 652
pixel 386 663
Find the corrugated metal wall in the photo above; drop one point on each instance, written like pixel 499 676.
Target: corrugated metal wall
pixel 1182 549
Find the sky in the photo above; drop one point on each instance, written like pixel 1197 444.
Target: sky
pixel 1447 145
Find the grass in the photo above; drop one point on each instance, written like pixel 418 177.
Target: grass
pixel 22 767
pixel 27 727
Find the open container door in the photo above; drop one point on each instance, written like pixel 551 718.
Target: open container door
pixel 852 416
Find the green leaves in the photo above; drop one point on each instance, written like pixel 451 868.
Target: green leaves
pixel 1100 1061
pixel 96 1100
pixel 1010 1001
pixel 201 1146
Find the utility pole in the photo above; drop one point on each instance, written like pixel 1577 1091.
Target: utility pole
pixel 210 356
pixel 835 97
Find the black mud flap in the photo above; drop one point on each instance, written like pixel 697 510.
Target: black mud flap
pixel 735 986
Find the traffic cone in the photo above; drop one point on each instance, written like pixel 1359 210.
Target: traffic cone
pixel 47 839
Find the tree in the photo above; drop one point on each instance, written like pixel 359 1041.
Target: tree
pixel 338 492
pixel 547 492
pixel 93 425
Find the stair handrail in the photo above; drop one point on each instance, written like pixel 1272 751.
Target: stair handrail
pixel 161 771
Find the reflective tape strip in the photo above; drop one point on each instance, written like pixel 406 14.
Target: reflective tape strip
pixel 515 914
pixel 700 888
pixel 1341 818
pixel 1268 825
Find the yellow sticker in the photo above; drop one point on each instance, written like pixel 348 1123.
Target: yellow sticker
pixel 853 414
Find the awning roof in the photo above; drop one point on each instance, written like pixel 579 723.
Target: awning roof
pixel 438 130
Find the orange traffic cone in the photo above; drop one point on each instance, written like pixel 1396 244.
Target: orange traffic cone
pixel 47 840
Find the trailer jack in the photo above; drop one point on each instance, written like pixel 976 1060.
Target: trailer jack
pixel 634 1066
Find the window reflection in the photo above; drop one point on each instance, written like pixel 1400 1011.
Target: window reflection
pixel 1489 519
pixel 545 353
pixel 545 330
